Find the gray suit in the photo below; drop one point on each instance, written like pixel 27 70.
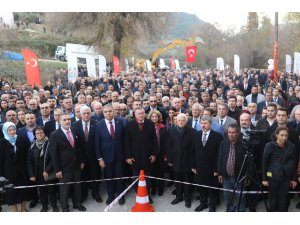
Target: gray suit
pixel 260 98
pixel 225 125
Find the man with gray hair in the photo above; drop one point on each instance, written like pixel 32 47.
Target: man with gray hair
pixel 85 132
pixel 178 156
pixel 206 143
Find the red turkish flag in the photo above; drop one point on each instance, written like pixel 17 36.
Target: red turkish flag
pixel 116 63
pixel 31 67
pixel 191 53
pixel 172 62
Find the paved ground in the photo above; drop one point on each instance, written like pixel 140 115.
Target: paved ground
pixel 160 203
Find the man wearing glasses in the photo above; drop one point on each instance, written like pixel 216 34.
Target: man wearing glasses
pixel 45 117
pixel 154 106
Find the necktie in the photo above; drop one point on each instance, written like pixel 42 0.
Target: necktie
pixel 204 138
pixel 141 126
pixel 195 124
pixel 70 139
pixel 221 122
pixel 86 132
pixel 112 130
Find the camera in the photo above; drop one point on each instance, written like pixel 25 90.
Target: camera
pixel 5 185
pixel 253 137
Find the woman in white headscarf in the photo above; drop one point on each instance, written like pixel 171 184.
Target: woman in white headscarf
pixel 13 166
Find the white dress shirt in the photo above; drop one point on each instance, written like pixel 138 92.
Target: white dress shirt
pixel 108 125
pixel 88 125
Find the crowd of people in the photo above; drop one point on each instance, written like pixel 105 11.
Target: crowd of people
pixel 186 125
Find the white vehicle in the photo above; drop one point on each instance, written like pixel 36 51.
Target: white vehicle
pixel 60 53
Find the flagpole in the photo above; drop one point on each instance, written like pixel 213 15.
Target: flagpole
pixel 275 77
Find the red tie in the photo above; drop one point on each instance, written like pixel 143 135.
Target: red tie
pixel 112 130
pixel 70 139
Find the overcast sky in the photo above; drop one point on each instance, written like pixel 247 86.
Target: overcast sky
pixel 233 20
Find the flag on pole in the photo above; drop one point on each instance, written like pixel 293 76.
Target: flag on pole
pixel 191 53
pixel 31 67
pixel 288 63
pixel 172 62
pixel 116 64
pixel 275 72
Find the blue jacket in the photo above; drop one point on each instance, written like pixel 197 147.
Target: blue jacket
pixel 110 150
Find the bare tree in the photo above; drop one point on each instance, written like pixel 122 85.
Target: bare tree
pixel 99 26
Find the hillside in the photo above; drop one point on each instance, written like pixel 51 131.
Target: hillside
pixel 182 26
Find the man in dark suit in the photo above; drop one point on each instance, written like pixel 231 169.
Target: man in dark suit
pixel 204 163
pixel 45 115
pixel 85 132
pixel 252 108
pixel 277 99
pixel 140 144
pixel 265 103
pixel 109 148
pixel 27 131
pixel 153 106
pixel 67 162
pixel 54 124
pixel 245 87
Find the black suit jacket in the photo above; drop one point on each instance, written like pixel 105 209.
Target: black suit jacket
pixel 140 145
pixel 205 158
pixel 65 158
pixel 247 91
pixel 87 147
pixel 50 127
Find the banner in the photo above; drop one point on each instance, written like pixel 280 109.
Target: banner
pixel 72 67
pixel 288 63
pixel 102 66
pixel 275 62
pixel 236 64
pixel 31 67
pixel 162 63
pixel 148 65
pixel 190 52
pixel 116 63
pixel 172 62
pixel 297 62
pixel 177 64
pixel 90 65
pixel 220 63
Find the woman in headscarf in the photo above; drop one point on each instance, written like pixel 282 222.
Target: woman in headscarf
pixel 39 168
pixel 13 166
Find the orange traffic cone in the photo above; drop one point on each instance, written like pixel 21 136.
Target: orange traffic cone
pixel 142 200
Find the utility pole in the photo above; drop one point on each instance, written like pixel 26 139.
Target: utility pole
pixel 275 75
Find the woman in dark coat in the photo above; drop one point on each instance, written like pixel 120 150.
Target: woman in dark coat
pixel 279 167
pixel 39 170
pixel 158 167
pixel 13 166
